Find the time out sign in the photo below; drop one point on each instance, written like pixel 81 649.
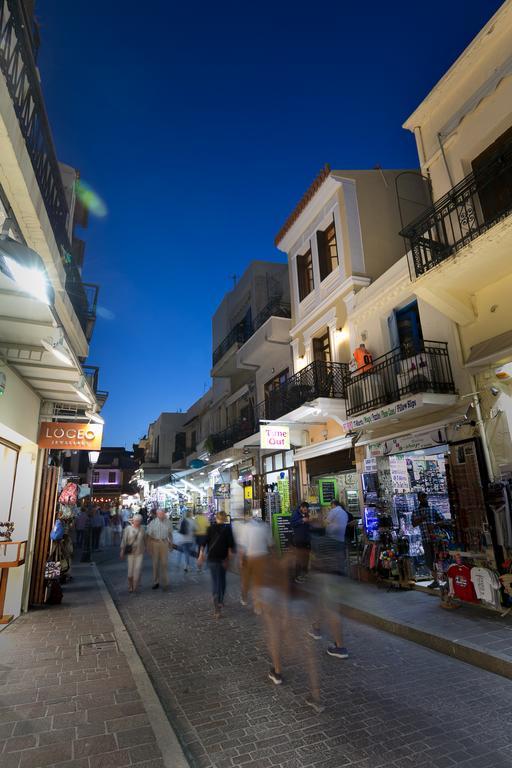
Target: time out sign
pixel 70 436
pixel 275 436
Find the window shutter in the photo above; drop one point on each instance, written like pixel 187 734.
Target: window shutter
pixel 322 254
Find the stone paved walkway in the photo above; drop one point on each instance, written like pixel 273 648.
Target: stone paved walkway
pixel 67 695
pixel 393 704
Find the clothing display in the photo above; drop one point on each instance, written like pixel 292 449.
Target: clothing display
pixel 487 585
pixel 461 586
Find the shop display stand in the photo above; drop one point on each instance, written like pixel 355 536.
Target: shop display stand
pixel 12 555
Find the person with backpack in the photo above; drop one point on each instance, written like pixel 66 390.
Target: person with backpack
pixel 337 521
pixel 187 530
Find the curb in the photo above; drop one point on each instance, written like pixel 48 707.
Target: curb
pixel 167 740
pixel 496 663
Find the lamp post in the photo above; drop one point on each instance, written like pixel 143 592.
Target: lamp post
pixel 86 554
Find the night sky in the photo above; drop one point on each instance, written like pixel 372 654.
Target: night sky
pixel 201 124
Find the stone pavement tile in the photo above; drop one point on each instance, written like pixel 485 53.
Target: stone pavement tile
pixel 94 745
pixel 149 751
pixel 18 743
pixel 117 759
pixel 135 737
pixel 113 711
pixel 32 726
pixel 90 729
pixel 43 756
pixel 126 723
pixel 55 737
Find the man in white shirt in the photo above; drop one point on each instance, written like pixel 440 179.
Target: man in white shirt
pixel 337 520
pixel 159 534
pixel 254 541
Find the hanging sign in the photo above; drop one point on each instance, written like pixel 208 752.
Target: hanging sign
pixel 70 436
pixel 275 436
pixel 222 490
pixel 248 492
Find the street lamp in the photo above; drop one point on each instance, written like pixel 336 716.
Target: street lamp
pixel 86 554
pixel 25 268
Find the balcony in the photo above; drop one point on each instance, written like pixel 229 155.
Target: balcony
pixel 19 69
pixel 318 379
pixel 472 207
pixel 243 331
pixel 240 430
pixel 399 374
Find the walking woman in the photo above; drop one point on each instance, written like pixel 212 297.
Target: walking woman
pixel 132 545
pixel 220 545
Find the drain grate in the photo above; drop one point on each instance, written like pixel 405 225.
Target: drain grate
pixel 97 643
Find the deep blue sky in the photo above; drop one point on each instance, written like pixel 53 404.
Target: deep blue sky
pixel 201 124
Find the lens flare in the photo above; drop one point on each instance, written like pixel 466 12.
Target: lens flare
pixel 90 199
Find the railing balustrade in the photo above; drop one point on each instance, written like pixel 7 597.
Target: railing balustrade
pixel 399 373
pixel 473 206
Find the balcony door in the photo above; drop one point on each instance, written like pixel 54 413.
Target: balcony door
pixel 322 349
pixel 408 329
pixel 493 173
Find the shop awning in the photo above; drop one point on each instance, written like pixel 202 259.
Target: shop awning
pixel 323 448
pixel 491 351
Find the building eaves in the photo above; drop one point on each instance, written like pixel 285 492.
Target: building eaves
pixel 303 202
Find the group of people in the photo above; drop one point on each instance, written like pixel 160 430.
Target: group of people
pixel 295 593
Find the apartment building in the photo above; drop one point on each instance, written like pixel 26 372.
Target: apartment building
pixel 48 312
pixel 460 246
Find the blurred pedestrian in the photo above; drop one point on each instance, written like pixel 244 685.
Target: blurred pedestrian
pixel 80 525
pixel 301 539
pixel 107 529
pixel 219 545
pixel 187 529
pixel 126 514
pixel 132 547
pixel 97 524
pixel 117 528
pixel 159 534
pixel 201 522
pixel 337 521
pixel 253 544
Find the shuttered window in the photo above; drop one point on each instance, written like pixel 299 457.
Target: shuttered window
pixel 327 251
pixel 305 274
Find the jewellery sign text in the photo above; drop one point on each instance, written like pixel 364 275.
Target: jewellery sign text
pixel 275 437
pixel 70 436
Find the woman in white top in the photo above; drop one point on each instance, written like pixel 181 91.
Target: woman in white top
pixel 132 545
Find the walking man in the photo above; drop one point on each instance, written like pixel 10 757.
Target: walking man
pixel 220 545
pixel 159 534
pixel 337 521
pixel 301 540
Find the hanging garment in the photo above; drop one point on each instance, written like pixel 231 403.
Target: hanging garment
pixel 459 577
pixel 486 585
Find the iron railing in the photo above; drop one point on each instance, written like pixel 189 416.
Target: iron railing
pixel 318 379
pixel 243 331
pixel 472 207
pixel 399 373
pixel 19 69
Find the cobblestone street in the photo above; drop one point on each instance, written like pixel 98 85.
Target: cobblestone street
pixel 392 704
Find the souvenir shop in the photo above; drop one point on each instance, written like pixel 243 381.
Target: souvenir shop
pixel 458 552
pixel 328 477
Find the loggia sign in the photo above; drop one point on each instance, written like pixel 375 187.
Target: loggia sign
pixel 75 436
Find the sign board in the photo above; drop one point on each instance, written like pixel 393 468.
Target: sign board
pixel 370 465
pixel 275 437
pixel 248 492
pixel 70 436
pixel 222 490
pixel 408 443
pixel 399 474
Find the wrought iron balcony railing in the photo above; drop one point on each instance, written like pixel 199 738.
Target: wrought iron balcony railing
pixel 318 379
pixel 472 207
pixel 19 69
pixel 399 373
pixel 243 331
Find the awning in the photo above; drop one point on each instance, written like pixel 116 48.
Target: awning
pixel 491 351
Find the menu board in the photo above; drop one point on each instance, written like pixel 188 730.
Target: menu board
pixel 283 488
pixel 399 474
pixel 282 531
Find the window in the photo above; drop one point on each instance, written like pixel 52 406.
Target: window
pixel 193 441
pixel 327 251
pixel 305 274
pixel 276 383
pixel 95 477
pixel 322 349
pixel 112 478
pixel 495 193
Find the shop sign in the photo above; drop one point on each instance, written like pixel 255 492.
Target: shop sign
pixel 248 492
pixel 275 436
pixel 399 474
pixel 408 443
pixel 222 490
pixel 70 436
pixel 402 408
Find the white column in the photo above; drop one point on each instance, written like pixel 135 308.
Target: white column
pixel 333 341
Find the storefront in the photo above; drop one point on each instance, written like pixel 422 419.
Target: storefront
pixel 19 422
pixel 462 537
